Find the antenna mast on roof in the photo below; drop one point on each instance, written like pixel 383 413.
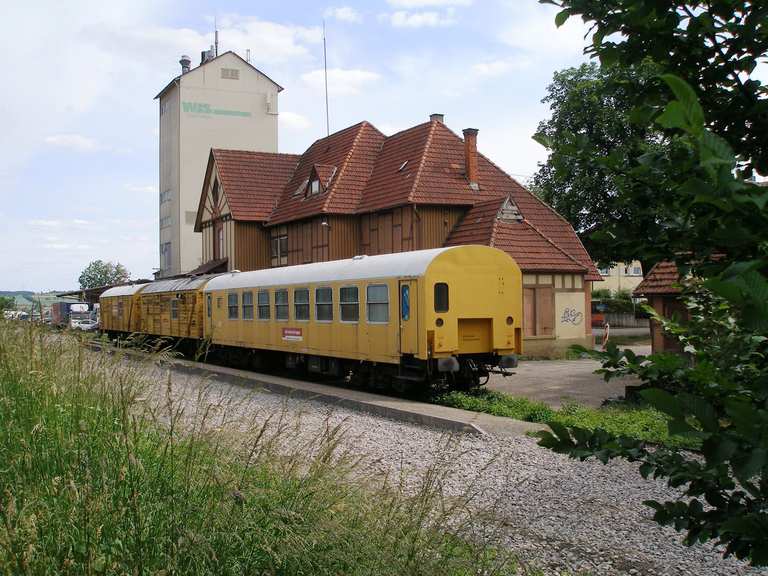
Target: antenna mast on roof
pixel 215 38
pixel 325 71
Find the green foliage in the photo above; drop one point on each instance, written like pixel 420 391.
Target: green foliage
pixel 694 206
pixel 100 273
pixel 7 303
pixel 93 481
pixel 590 123
pixel 630 420
pixel 600 293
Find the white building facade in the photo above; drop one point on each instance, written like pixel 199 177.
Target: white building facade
pixel 223 103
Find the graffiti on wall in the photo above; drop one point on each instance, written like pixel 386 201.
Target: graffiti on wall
pixel 572 316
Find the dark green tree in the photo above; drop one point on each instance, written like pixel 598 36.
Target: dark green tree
pixel 706 217
pixel 100 273
pixel 591 121
pixel 7 303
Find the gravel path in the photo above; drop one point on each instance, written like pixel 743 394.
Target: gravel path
pixel 564 516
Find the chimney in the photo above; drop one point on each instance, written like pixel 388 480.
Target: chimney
pixel 470 157
pixel 437 118
pixel 185 63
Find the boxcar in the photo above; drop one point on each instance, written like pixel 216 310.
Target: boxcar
pixel 119 309
pixel 447 313
pixel 173 308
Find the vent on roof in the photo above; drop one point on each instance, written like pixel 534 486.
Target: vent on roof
pixel 509 212
pixel 230 74
pixel 402 166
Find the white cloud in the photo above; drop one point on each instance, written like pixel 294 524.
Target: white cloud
pixel 427 3
pixel 80 222
pixel 344 14
pixel 496 68
pixel 293 121
pixel 149 188
pixel 533 32
pixel 73 142
pixel 45 223
pixel 341 81
pixel 431 19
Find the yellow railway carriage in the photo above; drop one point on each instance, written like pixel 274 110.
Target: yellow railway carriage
pixel 447 313
pixel 120 310
pixel 173 308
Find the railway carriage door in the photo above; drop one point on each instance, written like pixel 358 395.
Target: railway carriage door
pixel 409 317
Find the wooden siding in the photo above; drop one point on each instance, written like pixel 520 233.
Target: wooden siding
pixel 387 232
pixel 251 241
pixel 344 239
pixel 433 225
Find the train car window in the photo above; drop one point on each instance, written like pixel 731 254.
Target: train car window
pixel 233 305
pixel 209 304
pixel 324 304
pixel 441 297
pixel 377 300
pixel 405 302
pixel 349 301
pixel 301 303
pixel 263 304
pixel 247 305
pixel 281 304
pixel 175 309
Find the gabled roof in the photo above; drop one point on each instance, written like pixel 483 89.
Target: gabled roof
pixel 252 182
pixel 352 151
pixel 661 279
pixel 486 224
pixel 236 55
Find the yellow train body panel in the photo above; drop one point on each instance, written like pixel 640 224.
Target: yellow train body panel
pixel 119 309
pixel 483 314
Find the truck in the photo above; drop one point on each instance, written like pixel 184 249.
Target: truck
pixel 64 313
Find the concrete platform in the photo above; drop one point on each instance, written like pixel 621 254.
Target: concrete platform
pixel 442 417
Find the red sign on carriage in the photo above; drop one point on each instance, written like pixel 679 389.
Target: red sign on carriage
pixel 293 334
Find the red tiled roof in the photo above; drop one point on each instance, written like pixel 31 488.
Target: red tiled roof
pixel 353 151
pixel 520 239
pixel 660 280
pixel 251 181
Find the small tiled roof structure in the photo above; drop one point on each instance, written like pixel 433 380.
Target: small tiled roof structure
pixel 251 181
pixel 499 223
pixel 361 171
pixel 662 279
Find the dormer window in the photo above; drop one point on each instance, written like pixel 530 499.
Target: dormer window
pixel 314 187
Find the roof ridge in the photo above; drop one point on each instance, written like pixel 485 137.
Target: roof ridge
pixel 342 169
pixel 548 239
pixel 214 150
pixel 423 159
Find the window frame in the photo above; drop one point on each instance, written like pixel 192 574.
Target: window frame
pixel 174 308
pixel 209 305
pixel 247 306
pixel 368 304
pixel 296 304
pixel 447 298
pixel 318 304
pixel 287 305
pixel 343 303
pixel 260 306
pixel 230 306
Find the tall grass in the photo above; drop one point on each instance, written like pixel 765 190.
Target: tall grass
pixel 94 479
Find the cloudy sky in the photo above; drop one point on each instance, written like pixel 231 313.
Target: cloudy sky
pixel 78 175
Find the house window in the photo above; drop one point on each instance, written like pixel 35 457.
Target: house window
pixel 441 297
pixel 279 246
pixel 324 304
pixel 174 309
pixel 247 305
pixel 314 187
pixel 165 256
pixel 350 304
pixel 539 311
pixel 232 306
pixel 605 271
pixel 263 304
pixel 281 304
pixel 301 303
pixel 377 300
pixel 637 271
pixel 215 193
pixel 165 221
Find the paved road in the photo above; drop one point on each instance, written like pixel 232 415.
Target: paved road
pixel 559 381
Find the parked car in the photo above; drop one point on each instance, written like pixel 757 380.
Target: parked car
pixel 86 324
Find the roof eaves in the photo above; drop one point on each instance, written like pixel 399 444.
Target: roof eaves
pixel 201 202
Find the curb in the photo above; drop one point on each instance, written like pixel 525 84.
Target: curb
pixel 315 391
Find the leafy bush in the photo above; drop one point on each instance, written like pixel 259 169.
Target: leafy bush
pixel 623 419
pixel 93 483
